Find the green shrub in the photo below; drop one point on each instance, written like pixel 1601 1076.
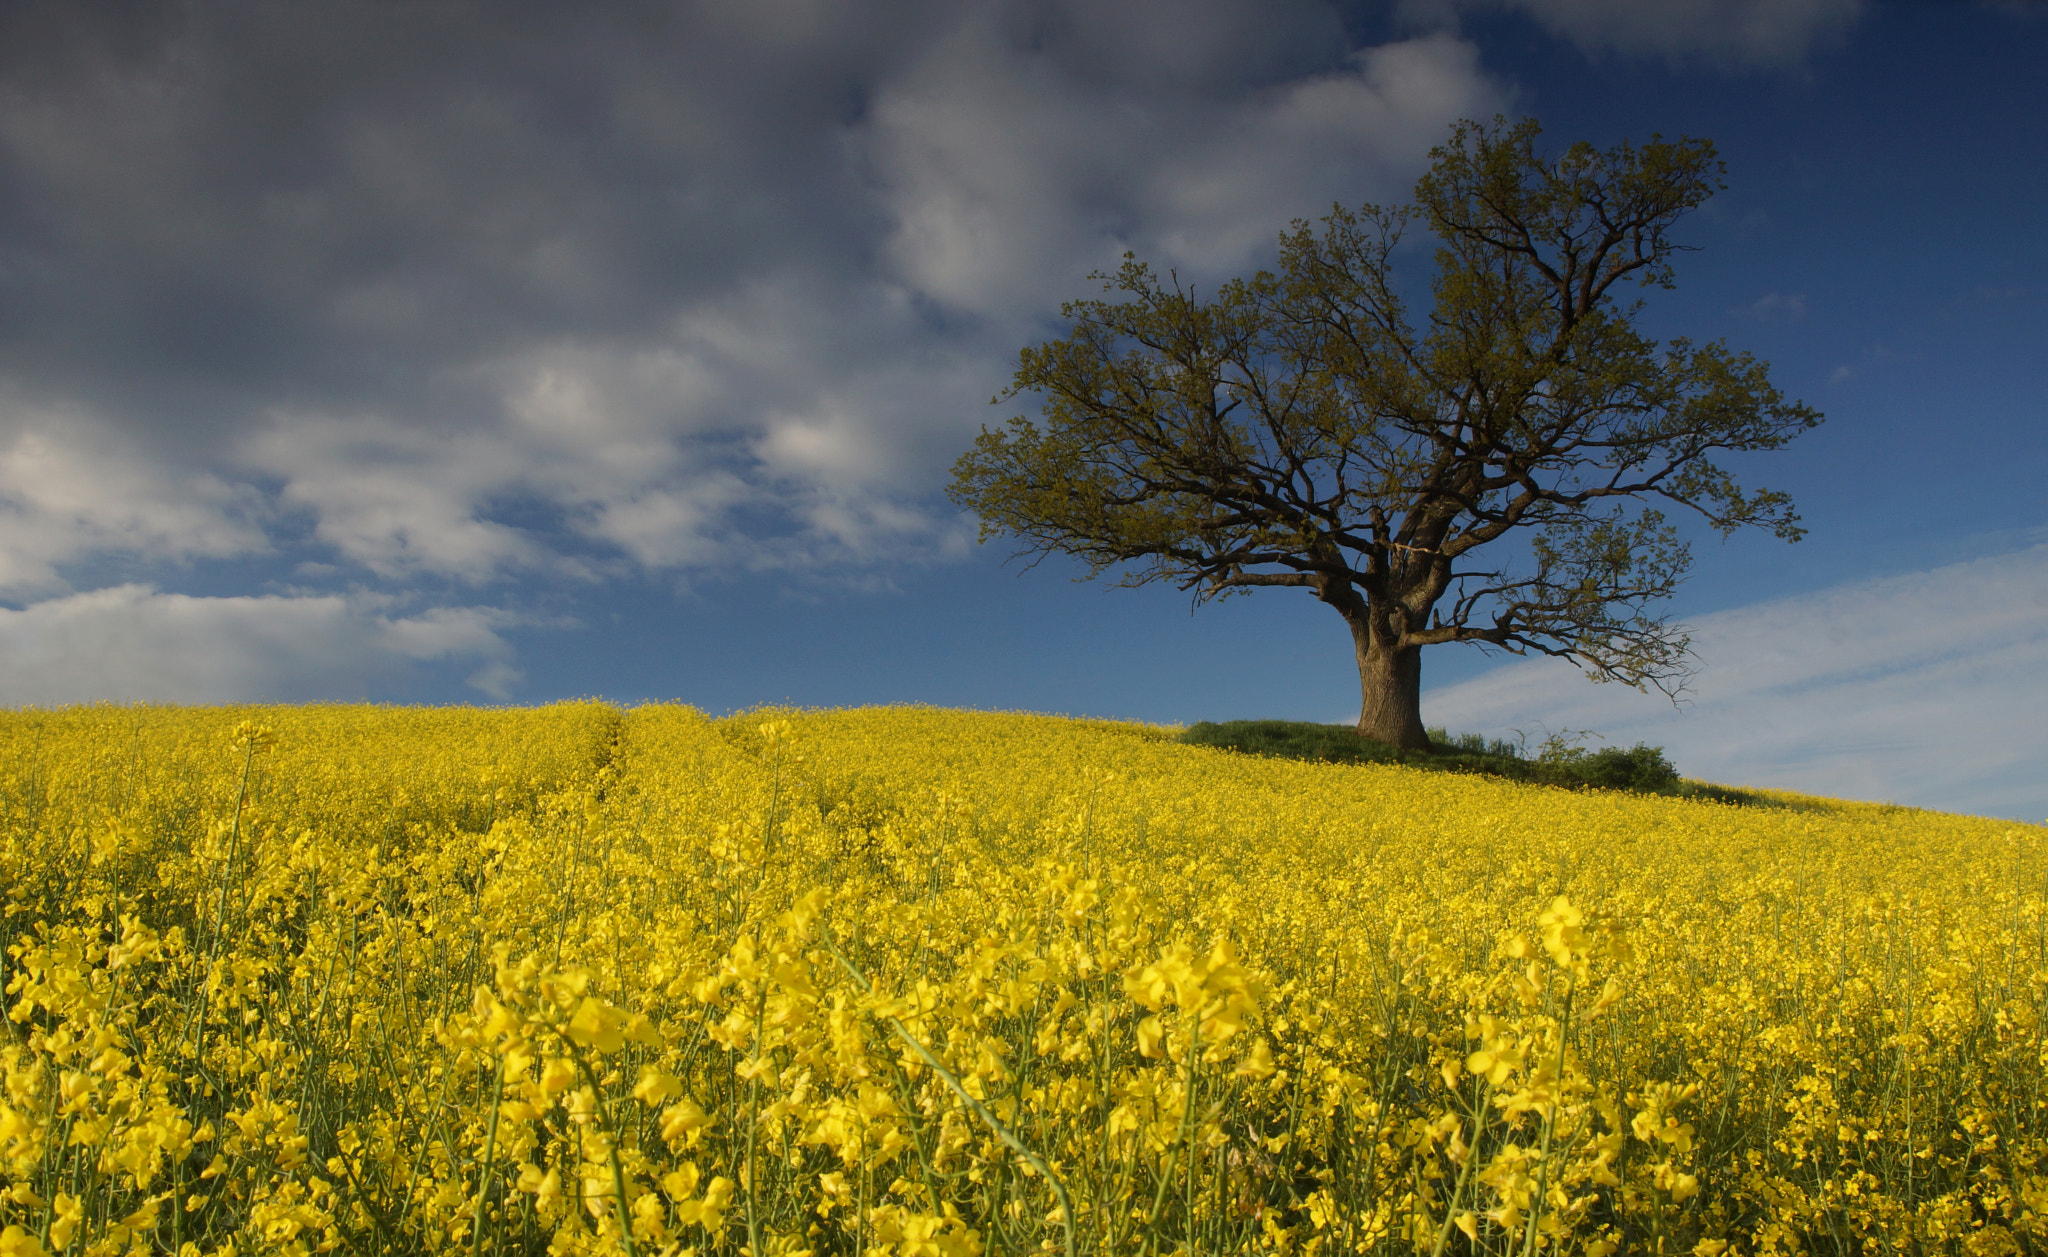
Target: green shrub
pixel 1561 760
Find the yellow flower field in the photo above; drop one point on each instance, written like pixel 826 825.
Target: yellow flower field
pixel 927 983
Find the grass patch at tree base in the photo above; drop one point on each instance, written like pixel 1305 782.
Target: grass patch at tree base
pixel 1559 761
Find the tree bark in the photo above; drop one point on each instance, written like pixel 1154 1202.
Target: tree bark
pixel 1390 690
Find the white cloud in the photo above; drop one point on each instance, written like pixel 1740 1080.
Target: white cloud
pixel 1359 133
pixel 132 643
pixel 1778 305
pixel 1925 689
pixel 71 486
pixel 808 410
pixel 1746 33
pixel 398 499
pixel 1010 176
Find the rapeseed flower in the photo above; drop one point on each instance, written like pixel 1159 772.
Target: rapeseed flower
pixel 903 981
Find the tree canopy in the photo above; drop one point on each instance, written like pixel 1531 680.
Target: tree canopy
pixel 1302 428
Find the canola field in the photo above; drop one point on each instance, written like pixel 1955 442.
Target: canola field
pixel 914 983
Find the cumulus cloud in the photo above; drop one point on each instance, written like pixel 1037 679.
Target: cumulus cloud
pixel 134 643
pixel 1925 689
pixel 72 485
pixel 423 297
pixel 1010 176
pixel 466 291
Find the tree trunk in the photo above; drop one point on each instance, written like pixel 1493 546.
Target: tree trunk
pixel 1390 690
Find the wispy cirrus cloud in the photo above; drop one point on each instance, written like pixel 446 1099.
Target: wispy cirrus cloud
pixel 1732 34
pixel 1925 689
pixel 1777 305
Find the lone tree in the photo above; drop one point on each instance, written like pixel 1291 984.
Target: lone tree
pixel 1490 477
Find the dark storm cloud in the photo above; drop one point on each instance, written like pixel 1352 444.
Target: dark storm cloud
pixel 337 197
pixel 257 201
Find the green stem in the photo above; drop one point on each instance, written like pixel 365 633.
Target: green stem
pixel 611 1132
pixel 1186 1108
pixel 1443 1234
pixel 980 1110
pixel 483 1188
pixel 754 1122
pixel 1549 1127
pixel 234 846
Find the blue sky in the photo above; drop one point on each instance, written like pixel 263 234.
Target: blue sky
pixel 518 352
